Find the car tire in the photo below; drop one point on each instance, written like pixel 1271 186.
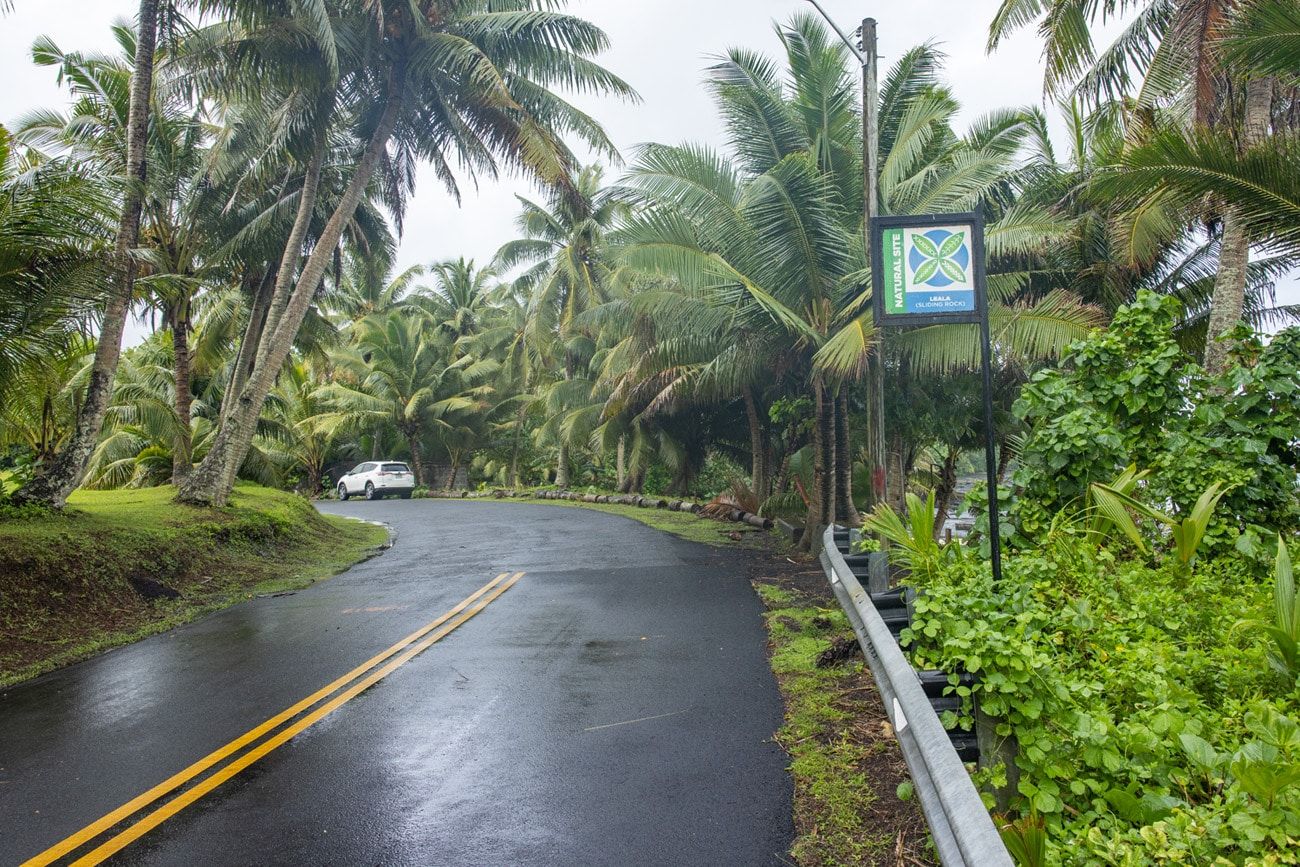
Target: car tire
pixel 406 495
pixel 371 493
pixel 343 492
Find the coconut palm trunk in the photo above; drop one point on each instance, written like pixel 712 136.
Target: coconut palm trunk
pixel 182 460
pixel 562 465
pixel 212 481
pixel 1234 250
pixel 845 509
pixel 944 490
pixel 417 458
pixel 57 480
pixel 757 447
pixel 821 506
pixel 622 462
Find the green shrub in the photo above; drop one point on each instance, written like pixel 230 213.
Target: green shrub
pixel 1129 395
pixel 1112 675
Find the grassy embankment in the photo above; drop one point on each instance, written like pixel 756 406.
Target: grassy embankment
pixel 116 566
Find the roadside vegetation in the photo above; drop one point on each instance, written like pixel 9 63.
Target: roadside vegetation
pixel 694 320
pixel 853 803
pixel 1140 654
pixel 115 566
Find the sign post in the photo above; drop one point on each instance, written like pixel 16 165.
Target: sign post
pixel 929 270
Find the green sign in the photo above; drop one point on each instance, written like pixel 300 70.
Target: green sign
pixel 928 270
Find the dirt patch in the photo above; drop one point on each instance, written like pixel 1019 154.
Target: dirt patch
pixel 847 767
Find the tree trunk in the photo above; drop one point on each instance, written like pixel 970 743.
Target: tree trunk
pixel 821 511
pixel 757 447
pixel 253 330
pixel 562 465
pixel 845 509
pixel 213 480
pixel 1234 249
pixel 57 480
pixel 182 460
pixel 943 491
pixel 622 462
pixel 454 454
pixel 417 460
pixel 517 447
pixel 289 259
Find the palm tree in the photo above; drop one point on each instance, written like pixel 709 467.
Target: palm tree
pixel 1171 61
pixel 52 264
pixel 775 235
pixel 568 273
pixel 58 479
pixel 458 81
pixel 399 372
pixel 179 233
pixel 459 297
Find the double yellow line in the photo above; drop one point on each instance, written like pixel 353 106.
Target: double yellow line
pixel 364 675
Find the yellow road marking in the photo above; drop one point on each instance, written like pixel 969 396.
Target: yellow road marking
pixel 107 821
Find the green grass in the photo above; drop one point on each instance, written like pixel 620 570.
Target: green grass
pixel 66 589
pixel 683 524
pixel 834 757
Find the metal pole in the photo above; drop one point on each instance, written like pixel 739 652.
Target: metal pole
pixel 870 158
pixel 990 445
pixel 867 54
pixel 843 38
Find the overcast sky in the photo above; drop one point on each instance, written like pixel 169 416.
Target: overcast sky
pixel 660 46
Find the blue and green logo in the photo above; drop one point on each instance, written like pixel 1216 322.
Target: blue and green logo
pixel 939 258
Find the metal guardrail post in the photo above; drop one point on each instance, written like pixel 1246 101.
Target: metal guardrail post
pixel 962 828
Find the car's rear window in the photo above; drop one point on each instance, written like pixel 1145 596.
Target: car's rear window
pixel 394 468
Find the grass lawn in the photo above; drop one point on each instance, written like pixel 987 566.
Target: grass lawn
pixel 683 524
pixel 116 566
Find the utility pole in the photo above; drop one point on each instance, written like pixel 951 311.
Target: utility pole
pixel 867 54
pixel 870 158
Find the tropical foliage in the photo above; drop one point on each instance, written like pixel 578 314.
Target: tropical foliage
pixel 698 321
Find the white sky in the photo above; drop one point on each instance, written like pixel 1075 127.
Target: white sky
pixel 660 46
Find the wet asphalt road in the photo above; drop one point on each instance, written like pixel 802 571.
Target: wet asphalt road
pixel 613 707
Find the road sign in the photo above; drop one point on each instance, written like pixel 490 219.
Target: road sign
pixel 929 270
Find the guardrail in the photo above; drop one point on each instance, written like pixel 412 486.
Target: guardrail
pixel 963 831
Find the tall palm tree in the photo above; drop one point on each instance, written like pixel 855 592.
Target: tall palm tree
pixel 568 272
pixel 774 235
pixel 58 479
pixel 1170 60
pixel 179 240
pixel 457 81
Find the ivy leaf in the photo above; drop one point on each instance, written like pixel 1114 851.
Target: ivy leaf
pixel 952 270
pixel 927 270
pixel 925 246
pixel 951 245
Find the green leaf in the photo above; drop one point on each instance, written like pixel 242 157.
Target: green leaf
pixel 927 270
pixel 952 244
pixel 1200 752
pixel 925 246
pixel 952 270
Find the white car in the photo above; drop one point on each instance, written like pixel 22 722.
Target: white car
pixel 378 479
